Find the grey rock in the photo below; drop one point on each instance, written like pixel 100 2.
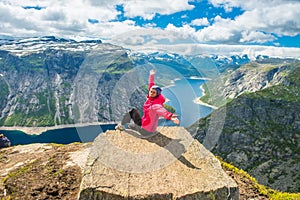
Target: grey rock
pixel 167 165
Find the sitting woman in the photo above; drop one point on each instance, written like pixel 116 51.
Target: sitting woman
pixel 153 109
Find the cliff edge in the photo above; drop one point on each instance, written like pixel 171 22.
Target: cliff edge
pixel 117 165
pixel 167 165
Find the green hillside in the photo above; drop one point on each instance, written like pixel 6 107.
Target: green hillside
pixel 260 131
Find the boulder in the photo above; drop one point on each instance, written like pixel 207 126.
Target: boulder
pixel 169 164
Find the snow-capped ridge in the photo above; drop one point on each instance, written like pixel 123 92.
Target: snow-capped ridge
pixel 23 46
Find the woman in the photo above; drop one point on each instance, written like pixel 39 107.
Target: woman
pixel 4 141
pixel 153 109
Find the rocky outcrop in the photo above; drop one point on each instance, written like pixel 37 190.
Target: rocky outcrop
pixel 118 165
pixel 42 171
pixel 167 165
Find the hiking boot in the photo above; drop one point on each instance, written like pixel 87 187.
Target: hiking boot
pixel 120 127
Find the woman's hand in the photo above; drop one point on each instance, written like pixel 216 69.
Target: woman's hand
pixel 152 72
pixel 175 119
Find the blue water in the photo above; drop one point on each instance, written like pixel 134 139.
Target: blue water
pixel 59 136
pixel 181 96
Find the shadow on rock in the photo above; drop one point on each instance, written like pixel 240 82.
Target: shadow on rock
pixel 172 145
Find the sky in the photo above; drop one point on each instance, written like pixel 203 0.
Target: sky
pixel 137 23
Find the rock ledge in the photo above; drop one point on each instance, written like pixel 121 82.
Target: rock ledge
pixel 168 165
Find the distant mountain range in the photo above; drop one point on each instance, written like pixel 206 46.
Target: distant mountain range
pixel 31 45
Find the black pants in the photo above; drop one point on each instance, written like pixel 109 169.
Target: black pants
pixel 134 115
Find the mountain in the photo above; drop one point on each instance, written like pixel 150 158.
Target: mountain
pixel 49 81
pixel 257 124
pixel 250 77
pixel 197 65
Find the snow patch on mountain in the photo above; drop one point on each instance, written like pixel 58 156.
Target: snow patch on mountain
pixel 253 51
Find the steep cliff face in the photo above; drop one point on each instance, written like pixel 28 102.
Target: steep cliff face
pixel 260 131
pixel 61 82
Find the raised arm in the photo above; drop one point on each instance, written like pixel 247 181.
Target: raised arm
pixel 151 79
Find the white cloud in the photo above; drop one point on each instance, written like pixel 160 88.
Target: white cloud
pixel 226 50
pixel 61 18
pixel 219 32
pixel 154 36
pixel 271 16
pixel 113 29
pixel 260 22
pixel 184 16
pixel 256 25
pixel 245 5
pixel 256 37
pixel 67 19
pixel 108 4
pixel 200 22
pixel 147 10
pixel 185 31
pixel 10 22
pixel 278 19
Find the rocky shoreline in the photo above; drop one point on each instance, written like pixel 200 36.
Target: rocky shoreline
pixel 40 130
pixel 198 100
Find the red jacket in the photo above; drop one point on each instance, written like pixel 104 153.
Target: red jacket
pixel 153 109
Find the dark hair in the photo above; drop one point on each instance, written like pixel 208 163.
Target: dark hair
pixel 157 88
